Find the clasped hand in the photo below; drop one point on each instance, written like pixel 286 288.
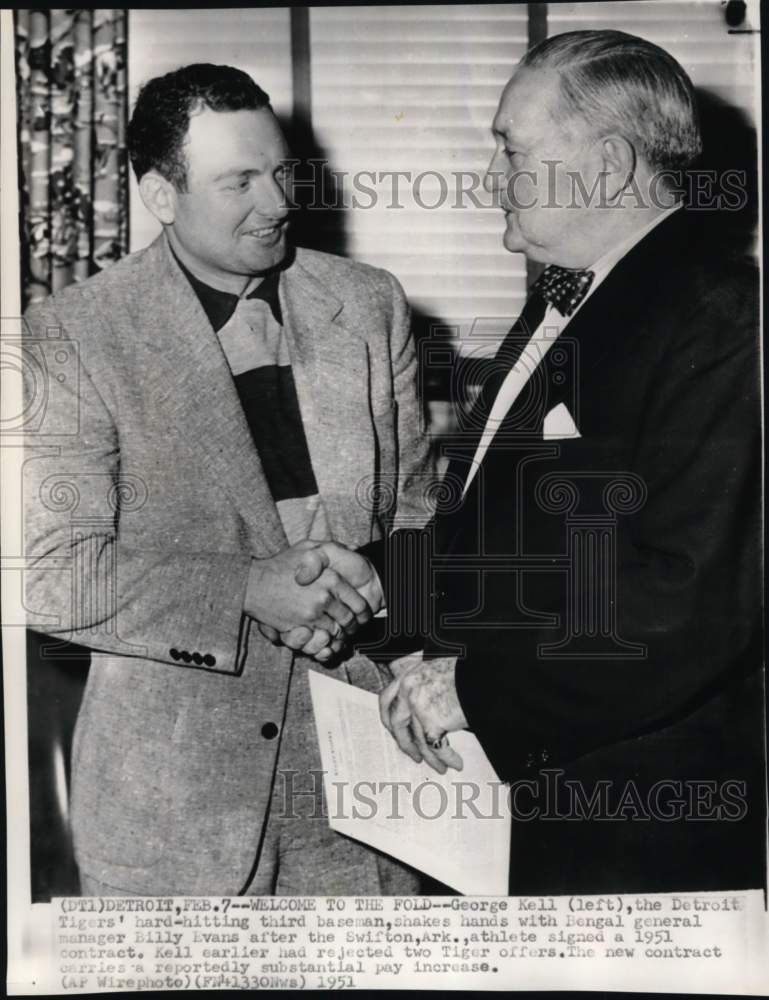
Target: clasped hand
pixel 313 596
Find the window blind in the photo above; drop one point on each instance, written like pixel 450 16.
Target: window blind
pixel 414 89
pixel 693 31
pixel 256 40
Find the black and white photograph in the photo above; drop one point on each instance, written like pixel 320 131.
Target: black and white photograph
pixel 382 497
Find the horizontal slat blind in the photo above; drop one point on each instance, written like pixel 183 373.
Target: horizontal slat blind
pixel 256 40
pixel 414 89
pixel 694 31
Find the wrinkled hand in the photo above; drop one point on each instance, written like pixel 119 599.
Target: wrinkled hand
pixel 316 558
pixel 420 706
pixel 298 588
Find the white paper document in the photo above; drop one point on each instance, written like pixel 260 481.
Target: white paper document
pixel 454 827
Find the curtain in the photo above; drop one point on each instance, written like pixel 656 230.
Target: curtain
pixel 72 105
pixel 72 112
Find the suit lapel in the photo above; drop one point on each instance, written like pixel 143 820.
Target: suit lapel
pixel 192 388
pixel 609 318
pixel 331 372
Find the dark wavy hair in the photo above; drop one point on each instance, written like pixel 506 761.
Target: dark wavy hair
pixel 161 117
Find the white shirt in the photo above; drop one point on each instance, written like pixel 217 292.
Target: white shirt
pixel 543 338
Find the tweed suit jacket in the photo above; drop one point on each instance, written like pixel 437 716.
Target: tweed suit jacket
pixel 145 503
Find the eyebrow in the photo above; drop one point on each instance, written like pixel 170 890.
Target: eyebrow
pixel 235 173
pixel 242 172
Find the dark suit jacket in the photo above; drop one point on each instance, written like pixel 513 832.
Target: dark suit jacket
pixel 603 591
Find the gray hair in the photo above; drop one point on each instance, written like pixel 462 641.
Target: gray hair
pixel 620 83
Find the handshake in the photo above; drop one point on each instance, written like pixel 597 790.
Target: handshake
pixel 313 596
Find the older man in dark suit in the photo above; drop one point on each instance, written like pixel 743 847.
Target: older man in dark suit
pixel 594 567
pixel 226 395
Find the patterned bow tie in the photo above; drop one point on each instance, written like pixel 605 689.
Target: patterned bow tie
pixel 563 287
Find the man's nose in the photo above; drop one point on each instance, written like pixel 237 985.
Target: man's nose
pixel 496 173
pixel 271 200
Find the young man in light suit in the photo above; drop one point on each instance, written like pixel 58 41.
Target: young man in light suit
pixel 231 402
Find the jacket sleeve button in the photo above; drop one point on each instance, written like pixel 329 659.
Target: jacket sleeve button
pixel 197 659
pixel 174 654
pixel 186 656
pixel 269 730
pixel 209 661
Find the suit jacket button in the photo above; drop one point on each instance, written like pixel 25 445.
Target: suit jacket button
pixel 210 661
pixel 186 656
pixel 197 659
pixel 174 654
pixel 269 730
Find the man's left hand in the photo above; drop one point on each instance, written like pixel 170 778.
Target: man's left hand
pixel 419 707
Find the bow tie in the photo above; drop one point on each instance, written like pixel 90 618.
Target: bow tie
pixel 563 287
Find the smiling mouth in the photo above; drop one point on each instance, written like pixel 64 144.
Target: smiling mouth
pixel 266 232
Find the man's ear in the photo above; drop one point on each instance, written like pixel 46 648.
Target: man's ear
pixel 619 164
pixel 159 195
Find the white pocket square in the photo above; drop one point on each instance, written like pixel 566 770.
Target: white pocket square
pixel 559 424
